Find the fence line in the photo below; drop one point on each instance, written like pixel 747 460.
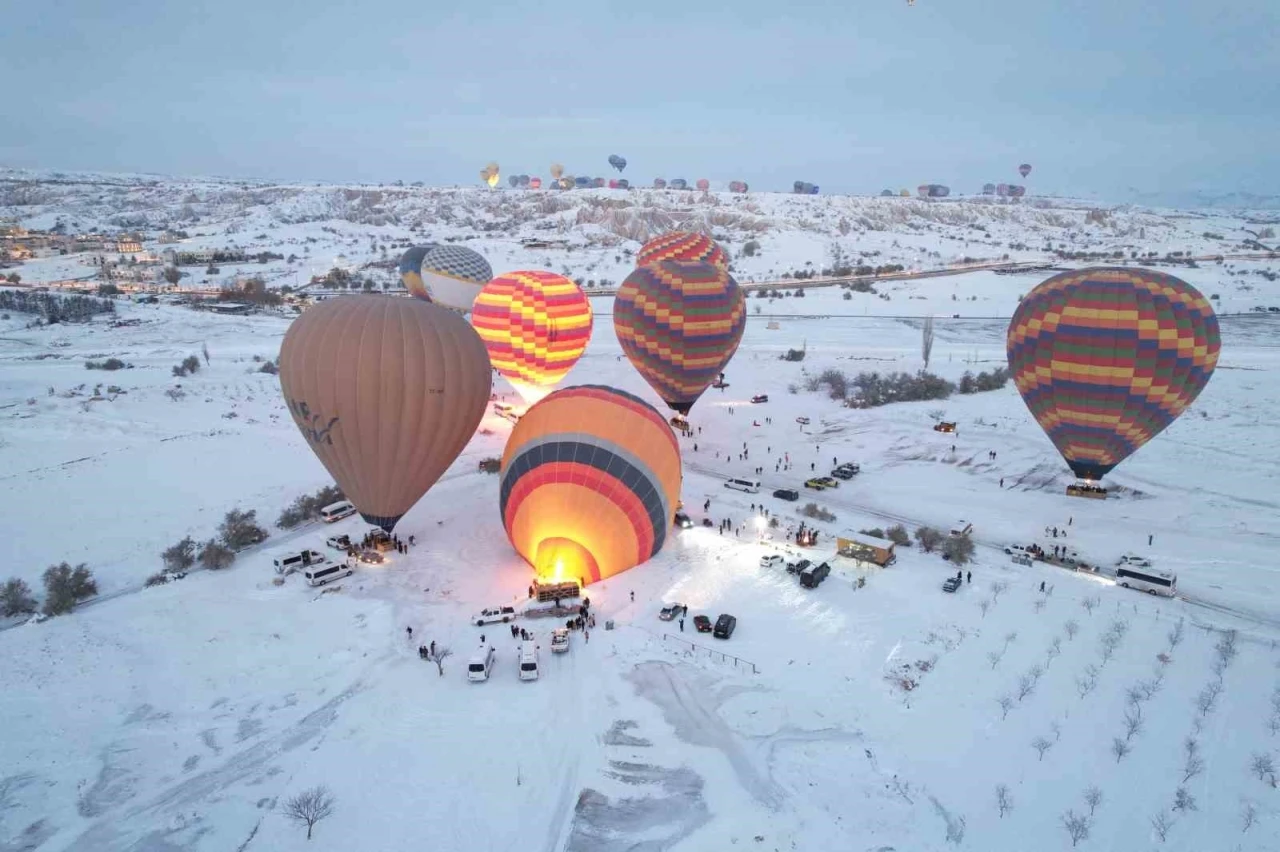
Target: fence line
pixel 695 647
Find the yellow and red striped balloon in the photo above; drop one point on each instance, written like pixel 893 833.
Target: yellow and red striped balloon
pixel 590 482
pixel 683 246
pixel 535 325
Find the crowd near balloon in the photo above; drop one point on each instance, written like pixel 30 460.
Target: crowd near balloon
pixel 387 391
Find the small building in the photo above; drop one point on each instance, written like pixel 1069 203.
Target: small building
pixel 231 308
pixel 861 547
pixel 128 246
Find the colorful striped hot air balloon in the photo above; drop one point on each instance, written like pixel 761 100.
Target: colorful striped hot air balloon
pixel 682 246
pixel 448 275
pixel 1107 358
pixel 535 325
pixel 589 484
pixel 679 324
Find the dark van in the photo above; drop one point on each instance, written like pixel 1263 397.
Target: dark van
pixel 812 576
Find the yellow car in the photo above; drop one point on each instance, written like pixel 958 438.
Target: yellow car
pixel 816 484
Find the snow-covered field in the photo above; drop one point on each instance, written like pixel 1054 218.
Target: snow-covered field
pixel 181 717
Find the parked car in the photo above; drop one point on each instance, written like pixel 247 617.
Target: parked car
pixel 771 560
pixel 371 557
pixel 816 484
pixel 494 614
pixel 813 576
pixel 842 473
pixel 829 482
pixel 760 397
pixel 944 427
pixel 1134 561
pixel 787 494
pixel 1017 550
pixel 706 522
pixel 338 542
pixel 725 625
pixel 672 611
pixel 797 567
pixel 683 521
pixel 803 421
pixel 951 584
pixel 702 624
pixel 559 640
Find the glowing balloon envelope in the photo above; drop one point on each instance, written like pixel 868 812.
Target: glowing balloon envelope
pixel 535 325
pixel 1107 358
pixel 590 481
pixel 387 392
pixel 683 246
pixel 679 325
pixel 448 275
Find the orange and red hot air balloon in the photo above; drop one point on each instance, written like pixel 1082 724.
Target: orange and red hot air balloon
pixel 535 325
pixel 1107 358
pixel 590 482
pixel 679 325
pixel 683 246
pixel 386 392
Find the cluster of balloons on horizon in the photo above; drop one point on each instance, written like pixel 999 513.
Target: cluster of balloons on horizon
pixel 388 391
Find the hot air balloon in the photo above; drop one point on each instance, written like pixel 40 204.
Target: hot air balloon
pixel 448 275
pixel 557 171
pixel 535 325
pixel 598 183
pixel 684 246
pixel 886 193
pixel 679 325
pixel 703 184
pixel 923 190
pixel 513 181
pixel 1002 189
pixel 617 162
pixel 1024 169
pixel 535 183
pixel 904 194
pixel 566 182
pixel 582 182
pixel 1016 191
pixel 679 183
pixel 1107 358
pixel 589 483
pixel 623 183
pixel 524 180
pixel 387 392
pixel 737 186
pixel 411 267
pixel 988 189
pixel 659 183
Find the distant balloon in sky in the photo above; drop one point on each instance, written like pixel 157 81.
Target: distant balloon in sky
pixel 617 162
pixel 703 184
pixel 535 325
pixel 387 392
pixel 1107 358
pixel 1024 169
pixel 589 483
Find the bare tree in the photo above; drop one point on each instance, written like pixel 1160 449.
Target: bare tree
pixel 1119 748
pixel 1006 704
pixel 1194 763
pixel 1248 816
pixel 1160 824
pixel 1132 722
pixel 1003 802
pixel 1056 730
pixel 998 589
pixel 1086 683
pixel 1184 801
pixel 1071 628
pixel 1038 605
pixel 1090 604
pixel 438 656
pixel 1207 700
pixel 926 340
pixel 1010 638
pixel 1077 826
pixel 309 807
pixel 994 657
pixel 1175 635
pixel 1026 685
pixel 1055 648
pixel 1041 745
pixel 1264 767
pixel 984 605
pixel 1092 798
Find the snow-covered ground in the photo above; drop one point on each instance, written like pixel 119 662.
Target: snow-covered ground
pixel 181 717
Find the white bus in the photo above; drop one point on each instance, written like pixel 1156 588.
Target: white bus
pixel 1153 581
pixel 751 486
pixel 337 511
pixel 318 575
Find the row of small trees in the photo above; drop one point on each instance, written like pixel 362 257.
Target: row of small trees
pixel 871 390
pixel 307 506
pixel 64 587
pixel 54 309
pixel 238 530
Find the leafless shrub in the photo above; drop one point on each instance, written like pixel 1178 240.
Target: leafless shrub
pixel 984 605
pixel 1038 605
pixel 1160 824
pixel 1026 685
pixel 1090 604
pixel 1119 748
pixel 1248 816
pixel 1055 648
pixel 1041 745
pixel 1077 826
pixel 1092 798
pixel 1010 638
pixel 997 589
pixel 1003 800
pixel 1207 700
pixel 1006 704
pixel 1056 730
pixel 994 658
pixel 1086 683
pixel 1264 767
pixel 1132 722
pixel 1176 634
pixel 309 807
pixel 1071 629
pixel 1193 763
pixel 1184 801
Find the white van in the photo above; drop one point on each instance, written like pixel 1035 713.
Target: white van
pixel 961 528
pixel 337 511
pixel 528 661
pixel 287 563
pixel 318 575
pixel 751 486
pixel 481 664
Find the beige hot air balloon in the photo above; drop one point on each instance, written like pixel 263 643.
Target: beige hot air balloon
pixel 557 170
pixel 387 393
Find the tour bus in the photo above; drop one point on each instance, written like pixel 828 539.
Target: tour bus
pixel 318 575
pixel 751 486
pixel 337 511
pixel 1153 581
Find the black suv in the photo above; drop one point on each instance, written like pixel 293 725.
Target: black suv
pixel 787 494
pixel 811 577
pixel 725 625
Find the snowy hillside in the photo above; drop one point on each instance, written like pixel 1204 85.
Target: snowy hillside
pixel 874 712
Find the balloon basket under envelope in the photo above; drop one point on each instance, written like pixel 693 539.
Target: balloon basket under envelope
pixel 1088 489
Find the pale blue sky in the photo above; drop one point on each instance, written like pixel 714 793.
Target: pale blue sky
pixel 854 95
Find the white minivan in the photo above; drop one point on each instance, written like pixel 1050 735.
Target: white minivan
pixel 751 486
pixel 481 664
pixel 337 511
pixel 318 575
pixel 528 661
